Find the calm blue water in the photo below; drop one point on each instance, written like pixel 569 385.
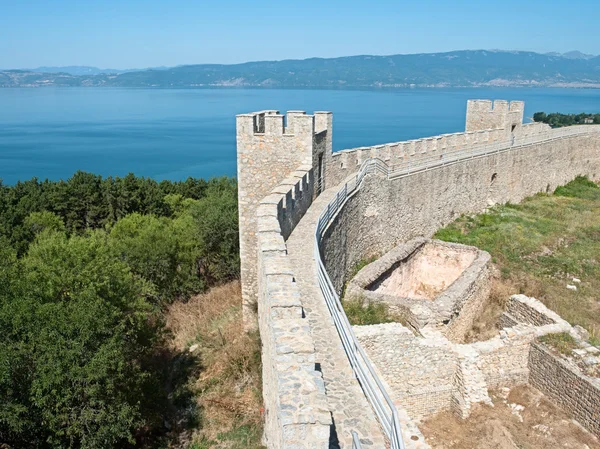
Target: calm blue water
pixel 173 134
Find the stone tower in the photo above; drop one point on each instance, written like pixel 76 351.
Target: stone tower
pixel 501 114
pixel 271 146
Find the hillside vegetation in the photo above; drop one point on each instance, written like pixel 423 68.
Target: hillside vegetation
pixel 89 268
pixel 557 120
pixel 452 69
pixel 542 245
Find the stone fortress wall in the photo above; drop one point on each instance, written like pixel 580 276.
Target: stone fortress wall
pixel 385 213
pixel 487 122
pixel 296 413
pixel 283 167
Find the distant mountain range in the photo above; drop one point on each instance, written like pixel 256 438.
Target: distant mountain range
pixel 572 55
pixel 79 70
pixel 468 68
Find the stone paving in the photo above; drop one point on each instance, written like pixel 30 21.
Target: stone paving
pixel 349 406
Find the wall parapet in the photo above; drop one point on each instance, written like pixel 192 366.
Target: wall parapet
pixel 400 154
pixel 296 411
pixel 270 147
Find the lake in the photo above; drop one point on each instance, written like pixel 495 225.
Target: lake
pixel 176 133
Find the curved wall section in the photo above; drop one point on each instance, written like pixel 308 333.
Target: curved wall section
pixel 386 212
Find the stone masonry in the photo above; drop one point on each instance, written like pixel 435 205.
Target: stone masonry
pixel 287 173
pixel 483 114
pixel 451 310
pixel 270 147
pixel 428 373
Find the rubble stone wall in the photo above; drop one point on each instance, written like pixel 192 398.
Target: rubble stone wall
pixel 577 394
pixel 296 410
pixel 427 373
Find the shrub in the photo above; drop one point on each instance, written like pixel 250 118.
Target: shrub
pixel 361 314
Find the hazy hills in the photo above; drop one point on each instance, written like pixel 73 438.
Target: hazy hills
pixel 79 70
pixel 453 69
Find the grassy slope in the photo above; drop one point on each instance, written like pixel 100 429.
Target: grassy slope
pixel 541 244
pixel 224 374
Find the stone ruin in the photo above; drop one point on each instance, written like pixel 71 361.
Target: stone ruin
pixel 429 283
pixel 438 290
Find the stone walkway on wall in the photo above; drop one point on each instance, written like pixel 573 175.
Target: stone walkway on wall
pixel 350 408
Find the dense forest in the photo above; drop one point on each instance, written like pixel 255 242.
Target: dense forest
pixel 556 120
pixel 87 267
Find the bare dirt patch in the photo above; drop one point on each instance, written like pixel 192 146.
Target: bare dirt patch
pixel 520 419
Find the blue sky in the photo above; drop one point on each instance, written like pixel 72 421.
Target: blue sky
pixel 134 33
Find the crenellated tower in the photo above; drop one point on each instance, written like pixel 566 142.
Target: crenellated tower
pixel 270 146
pixel 500 114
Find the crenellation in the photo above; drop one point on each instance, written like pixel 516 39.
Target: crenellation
pixel 450 142
pixel 460 141
pixel 290 121
pixel 396 153
pixel 517 106
pixel 267 153
pixel 274 125
pixel 323 121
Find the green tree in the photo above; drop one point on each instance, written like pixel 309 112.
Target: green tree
pixel 154 251
pixel 216 230
pixel 76 331
pixel 37 222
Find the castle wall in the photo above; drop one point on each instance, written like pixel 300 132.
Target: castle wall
pixel 385 213
pixel 296 411
pixel 487 123
pixel 282 167
pixel 485 114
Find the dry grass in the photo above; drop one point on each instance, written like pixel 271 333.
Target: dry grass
pixel 485 327
pixel 228 384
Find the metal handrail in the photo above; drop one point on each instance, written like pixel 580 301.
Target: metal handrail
pixel 374 390
pixel 355 441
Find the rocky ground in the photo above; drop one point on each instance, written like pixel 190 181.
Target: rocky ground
pixel 521 418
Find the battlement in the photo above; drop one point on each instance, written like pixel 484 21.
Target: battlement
pixel 285 162
pixel 271 145
pixel 272 123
